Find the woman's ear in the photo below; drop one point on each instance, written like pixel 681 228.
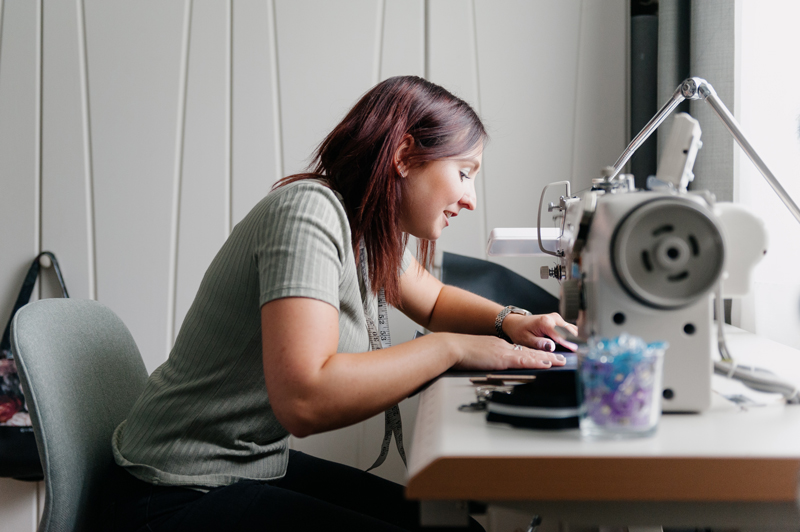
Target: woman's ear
pixel 400 155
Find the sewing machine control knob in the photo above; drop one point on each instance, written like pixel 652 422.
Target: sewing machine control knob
pixel 545 272
pixel 570 304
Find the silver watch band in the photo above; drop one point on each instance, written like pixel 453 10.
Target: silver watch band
pixel 501 316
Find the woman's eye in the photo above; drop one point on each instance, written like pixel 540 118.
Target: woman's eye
pixel 463 175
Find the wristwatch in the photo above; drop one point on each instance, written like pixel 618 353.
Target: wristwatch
pixel 498 321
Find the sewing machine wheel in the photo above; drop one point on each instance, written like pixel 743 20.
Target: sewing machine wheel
pixel 668 252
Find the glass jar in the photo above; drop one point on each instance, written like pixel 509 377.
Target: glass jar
pixel 619 386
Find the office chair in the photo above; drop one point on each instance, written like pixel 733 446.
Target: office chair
pixel 81 373
pixel 497 283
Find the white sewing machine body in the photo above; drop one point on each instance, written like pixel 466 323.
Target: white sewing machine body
pixel 648 262
pixel 640 293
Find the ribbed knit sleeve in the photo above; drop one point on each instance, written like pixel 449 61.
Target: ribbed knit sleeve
pixel 301 249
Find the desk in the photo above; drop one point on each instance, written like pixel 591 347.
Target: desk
pixel 724 467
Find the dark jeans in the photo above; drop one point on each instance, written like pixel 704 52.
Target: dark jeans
pixel 315 495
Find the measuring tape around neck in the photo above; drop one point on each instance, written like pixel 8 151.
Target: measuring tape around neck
pixel 380 338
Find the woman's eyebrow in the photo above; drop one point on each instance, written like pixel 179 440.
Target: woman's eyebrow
pixel 476 165
pixel 472 161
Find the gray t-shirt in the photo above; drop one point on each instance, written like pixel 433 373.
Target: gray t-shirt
pixel 204 418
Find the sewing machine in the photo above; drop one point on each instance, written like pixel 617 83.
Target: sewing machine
pixel 650 262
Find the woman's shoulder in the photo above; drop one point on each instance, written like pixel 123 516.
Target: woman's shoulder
pixel 306 202
pixel 305 190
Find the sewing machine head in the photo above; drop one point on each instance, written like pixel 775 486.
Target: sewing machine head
pixel 647 262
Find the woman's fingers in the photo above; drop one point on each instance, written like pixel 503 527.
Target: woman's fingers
pixel 534 358
pixel 540 331
pixel 565 343
pixel 543 344
pixel 548 324
pixel 492 353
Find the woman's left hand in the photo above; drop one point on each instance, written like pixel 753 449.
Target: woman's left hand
pixel 538 331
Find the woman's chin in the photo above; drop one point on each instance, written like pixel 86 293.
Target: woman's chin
pixel 429 235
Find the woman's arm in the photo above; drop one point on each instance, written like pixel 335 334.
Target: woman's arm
pixel 313 388
pixel 440 307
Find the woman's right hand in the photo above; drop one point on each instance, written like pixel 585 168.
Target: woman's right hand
pixel 492 353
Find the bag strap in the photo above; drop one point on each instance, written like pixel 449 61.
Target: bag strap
pixel 27 289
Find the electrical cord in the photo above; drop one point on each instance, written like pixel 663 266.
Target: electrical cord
pixel 758 379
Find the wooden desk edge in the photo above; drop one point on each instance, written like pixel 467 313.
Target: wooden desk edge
pixel 608 478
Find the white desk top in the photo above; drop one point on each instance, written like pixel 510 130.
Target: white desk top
pixel 724 454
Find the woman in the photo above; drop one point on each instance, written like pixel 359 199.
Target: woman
pixel 277 340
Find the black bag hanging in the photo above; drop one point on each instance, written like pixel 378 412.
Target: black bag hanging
pixel 19 457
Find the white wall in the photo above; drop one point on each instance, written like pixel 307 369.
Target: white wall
pixel 133 135
pixel 768 85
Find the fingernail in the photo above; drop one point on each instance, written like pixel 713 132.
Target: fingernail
pixel 547 363
pixel 561 358
pixel 551 346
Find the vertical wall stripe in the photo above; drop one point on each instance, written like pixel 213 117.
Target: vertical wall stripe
pixel 276 90
pixel 427 37
pixel 473 13
pixel 176 189
pixel 581 30
pixel 87 152
pixel 38 118
pixel 229 126
pixel 2 11
pixel 479 105
pixel 379 31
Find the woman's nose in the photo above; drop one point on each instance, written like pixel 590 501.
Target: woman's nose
pixel 469 200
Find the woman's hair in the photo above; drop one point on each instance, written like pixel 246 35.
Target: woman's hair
pixel 357 160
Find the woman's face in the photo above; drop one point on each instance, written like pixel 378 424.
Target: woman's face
pixel 436 192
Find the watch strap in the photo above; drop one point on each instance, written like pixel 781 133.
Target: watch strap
pixel 501 316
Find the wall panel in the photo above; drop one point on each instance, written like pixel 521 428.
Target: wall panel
pixel 600 111
pixel 256 154
pixel 453 63
pixel 134 62
pixel 326 61
pixel 19 147
pixel 205 180
pixel 403 45
pixel 771 121
pixel 67 228
pixel 20 112
pixel 528 93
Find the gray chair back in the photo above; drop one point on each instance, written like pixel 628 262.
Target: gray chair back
pixel 81 373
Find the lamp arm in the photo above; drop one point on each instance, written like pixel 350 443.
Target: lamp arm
pixel 647 130
pixel 700 89
pixel 707 92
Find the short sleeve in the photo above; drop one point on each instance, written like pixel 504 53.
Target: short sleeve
pixel 302 244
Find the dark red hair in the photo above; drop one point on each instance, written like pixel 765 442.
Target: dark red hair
pixel 357 160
